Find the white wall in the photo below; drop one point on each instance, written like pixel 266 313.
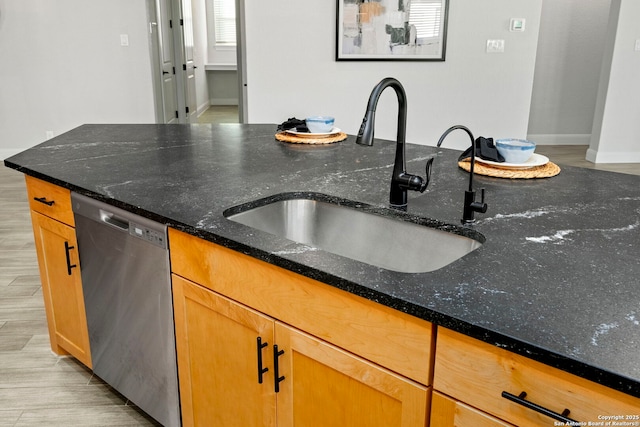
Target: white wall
pixel 291 71
pixel 223 87
pixel 616 129
pixel 63 65
pixel 567 73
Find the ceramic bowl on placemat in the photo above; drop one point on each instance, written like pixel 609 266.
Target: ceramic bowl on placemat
pixel 515 151
pixel 320 124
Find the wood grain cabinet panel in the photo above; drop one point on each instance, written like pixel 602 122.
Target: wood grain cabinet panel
pixel 477 373
pixel 228 376
pixel 395 340
pixel 50 200
pixel 323 385
pixel 446 412
pixel 216 341
pixel 58 261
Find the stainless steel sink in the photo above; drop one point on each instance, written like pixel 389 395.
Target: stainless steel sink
pixel 381 237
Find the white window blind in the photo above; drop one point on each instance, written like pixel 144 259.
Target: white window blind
pixel 425 15
pixel 224 13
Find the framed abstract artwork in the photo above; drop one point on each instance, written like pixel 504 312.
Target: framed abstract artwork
pixel 391 30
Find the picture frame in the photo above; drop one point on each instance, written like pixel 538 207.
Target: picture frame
pixel 391 30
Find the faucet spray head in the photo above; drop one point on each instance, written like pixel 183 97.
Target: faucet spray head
pixel 365 134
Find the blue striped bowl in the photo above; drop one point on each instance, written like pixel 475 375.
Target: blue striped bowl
pixel 515 150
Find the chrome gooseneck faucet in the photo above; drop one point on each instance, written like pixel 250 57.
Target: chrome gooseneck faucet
pixel 470 204
pixel 401 181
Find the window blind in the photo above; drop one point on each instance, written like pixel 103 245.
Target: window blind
pixel 224 13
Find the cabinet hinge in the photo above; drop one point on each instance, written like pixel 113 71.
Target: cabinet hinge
pixel 187 110
pixel 184 67
pixel 170 23
pixel 181 21
pixel 174 70
pixel 177 117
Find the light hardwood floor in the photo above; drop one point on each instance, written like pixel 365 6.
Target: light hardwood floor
pixel 39 388
pixel 220 114
pixel 573 155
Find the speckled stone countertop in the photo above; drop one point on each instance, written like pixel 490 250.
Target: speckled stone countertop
pixel 557 280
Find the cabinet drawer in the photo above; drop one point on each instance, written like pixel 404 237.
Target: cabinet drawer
pixel 50 200
pixel 446 412
pixel 478 373
pixel 395 340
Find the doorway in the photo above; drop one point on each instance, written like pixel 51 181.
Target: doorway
pixel 172 45
pixel 172 54
pixel 223 68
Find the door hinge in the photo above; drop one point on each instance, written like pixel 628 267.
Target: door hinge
pixel 177 117
pixel 170 23
pixel 181 21
pixel 184 67
pixel 187 110
pixel 174 70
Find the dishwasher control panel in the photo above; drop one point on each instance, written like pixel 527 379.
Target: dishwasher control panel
pixel 149 235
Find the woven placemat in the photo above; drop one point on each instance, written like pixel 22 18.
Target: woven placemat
pixel 545 171
pixel 294 139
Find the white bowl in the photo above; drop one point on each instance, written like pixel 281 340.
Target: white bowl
pixel 320 124
pixel 515 150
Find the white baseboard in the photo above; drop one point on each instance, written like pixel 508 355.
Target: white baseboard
pixel 224 101
pixel 595 156
pixel 591 155
pixel 560 139
pixel 202 108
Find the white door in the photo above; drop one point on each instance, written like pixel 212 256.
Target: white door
pixel 189 67
pixel 168 64
pixel 176 86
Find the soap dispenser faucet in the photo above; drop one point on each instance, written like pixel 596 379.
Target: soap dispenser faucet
pixel 470 205
pixel 401 181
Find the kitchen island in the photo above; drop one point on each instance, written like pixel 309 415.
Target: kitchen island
pixel 555 281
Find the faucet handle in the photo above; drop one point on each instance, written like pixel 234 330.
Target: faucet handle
pixel 471 206
pixel 482 206
pixel 427 177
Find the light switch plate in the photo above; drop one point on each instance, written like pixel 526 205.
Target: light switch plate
pixel 124 39
pixel 495 46
pixel 517 24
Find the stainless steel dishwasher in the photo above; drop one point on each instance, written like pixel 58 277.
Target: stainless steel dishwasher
pixel 124 260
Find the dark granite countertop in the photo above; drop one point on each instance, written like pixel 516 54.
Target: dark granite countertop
pixel 557 280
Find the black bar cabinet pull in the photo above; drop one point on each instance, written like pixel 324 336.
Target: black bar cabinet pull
pixel 261 370
pixel 276 368
pixel 67 248
pixel 44 200
pixel 519 399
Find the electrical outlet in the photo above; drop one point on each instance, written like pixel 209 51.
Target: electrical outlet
pixel 495 46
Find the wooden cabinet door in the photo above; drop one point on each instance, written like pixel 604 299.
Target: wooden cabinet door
pixel 326 386
pixel 217 348
pixel 56 248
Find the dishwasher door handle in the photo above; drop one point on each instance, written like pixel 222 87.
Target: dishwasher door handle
pixel 109 218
